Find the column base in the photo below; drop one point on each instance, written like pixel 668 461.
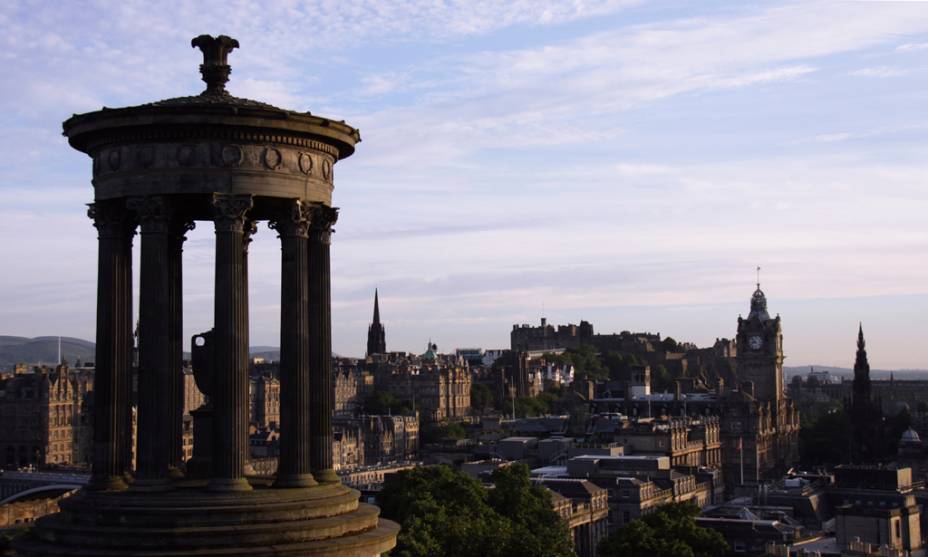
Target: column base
pixel 326 476
pixel 228 484
pixel 176 473
pixel 151 484
pixel 107 483
pixel 295 480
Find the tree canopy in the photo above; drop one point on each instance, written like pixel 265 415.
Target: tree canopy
pixel 481 397
pixel 445 513
pixel 671 531
pixel 382 402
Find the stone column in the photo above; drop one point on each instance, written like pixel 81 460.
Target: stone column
pixel 230 385
pixel 322 395
pixel 175 261
pixel 156 324
pixel 294 468
pixel 115 229
pixel 127 361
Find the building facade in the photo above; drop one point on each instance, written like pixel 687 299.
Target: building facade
pixel 41 421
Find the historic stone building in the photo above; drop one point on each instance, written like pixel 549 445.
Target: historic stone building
pixel 264 393
pixel 437 386
pixel 41 419
pixel 689 441
pixel 758 427
pixel 371 440
pixel 389 438
pixel 376 335
pixel 584 507
pixel 761 426
pixel 760 351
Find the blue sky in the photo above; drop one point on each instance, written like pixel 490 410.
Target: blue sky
pixel 624 162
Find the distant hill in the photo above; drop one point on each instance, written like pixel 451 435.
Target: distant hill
pixel 922 374
pixel 44 350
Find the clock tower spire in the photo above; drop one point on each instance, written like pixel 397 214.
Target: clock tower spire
pixel 760 349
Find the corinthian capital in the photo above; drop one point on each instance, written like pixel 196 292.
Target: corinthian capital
pixel 293 220
pixel 111 219
pixel 229 211
pixel 153 212
pixel 322 217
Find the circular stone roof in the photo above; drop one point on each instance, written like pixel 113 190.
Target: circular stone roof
pixel 910 436
pixel 213 107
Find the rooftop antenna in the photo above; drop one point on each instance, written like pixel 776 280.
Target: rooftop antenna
pixel 758 277
pixel 59 350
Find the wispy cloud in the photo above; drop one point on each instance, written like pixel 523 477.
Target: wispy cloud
pixel 513 154
pixel 881 71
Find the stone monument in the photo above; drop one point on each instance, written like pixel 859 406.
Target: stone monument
pixel 159 168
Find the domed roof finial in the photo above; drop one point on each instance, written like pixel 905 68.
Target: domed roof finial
pixel 215 68
pixel 759 302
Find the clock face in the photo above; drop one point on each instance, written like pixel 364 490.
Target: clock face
pixel 755 342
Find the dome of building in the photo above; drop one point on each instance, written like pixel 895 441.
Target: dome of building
pixel 759 305
pixel 910 436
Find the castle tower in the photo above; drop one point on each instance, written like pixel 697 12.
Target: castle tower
pixel 760 351
pixel 376 335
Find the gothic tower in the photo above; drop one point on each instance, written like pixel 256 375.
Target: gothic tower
pixel 866 416
pixel 376 336
pixel 861 389
pixel 760 351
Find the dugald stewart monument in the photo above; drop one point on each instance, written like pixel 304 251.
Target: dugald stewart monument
pixel 228 163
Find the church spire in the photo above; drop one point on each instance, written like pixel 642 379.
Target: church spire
pixel 376 335
pixel 861 388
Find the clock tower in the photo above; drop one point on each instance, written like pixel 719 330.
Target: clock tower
pixel 760 351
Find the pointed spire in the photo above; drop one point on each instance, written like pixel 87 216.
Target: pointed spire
pixel 860 337
pixel 376 336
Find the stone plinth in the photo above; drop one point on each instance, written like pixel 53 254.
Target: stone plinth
pixel 320 520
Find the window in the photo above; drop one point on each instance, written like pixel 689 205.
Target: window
pixel 898 528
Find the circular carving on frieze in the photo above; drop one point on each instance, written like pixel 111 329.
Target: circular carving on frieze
pixel 306 163
pixel 114 159
pixel 231 155
pixel 186 154
pixel 326 170
pixel 145 156
pixel 271 158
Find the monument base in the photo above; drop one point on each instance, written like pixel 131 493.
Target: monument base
pixel 191 520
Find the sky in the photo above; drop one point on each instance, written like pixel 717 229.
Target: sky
pixel 628 163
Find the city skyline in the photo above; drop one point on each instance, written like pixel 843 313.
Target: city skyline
pixel 619 162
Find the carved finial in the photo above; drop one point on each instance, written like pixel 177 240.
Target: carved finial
pixel 215 67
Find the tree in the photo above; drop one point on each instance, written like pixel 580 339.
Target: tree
pixel 586 362
pixel 536 528
pixel 671 531
pixel 481 397
pixel 382 402
pixel 434 433
pixel 670 345
pixel 444 513
pixel 826 440
pixel 661 379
